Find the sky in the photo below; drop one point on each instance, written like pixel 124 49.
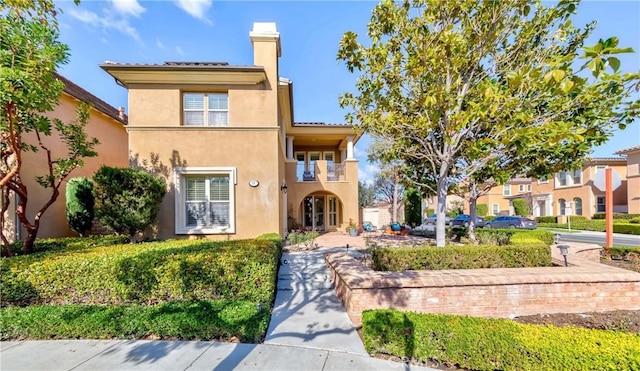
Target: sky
pixel 134 31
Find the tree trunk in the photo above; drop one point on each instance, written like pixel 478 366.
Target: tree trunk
pixel 27 244
pixel 473 200
pixel 395 198
pixel 5 206
pixel 441 212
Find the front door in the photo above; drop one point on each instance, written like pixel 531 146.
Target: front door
pixel 313 213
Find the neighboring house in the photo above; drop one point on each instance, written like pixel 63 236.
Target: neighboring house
pixel 633 178
pixel 573 192
pixel 500 197
pixel 105 123
pixel 225 140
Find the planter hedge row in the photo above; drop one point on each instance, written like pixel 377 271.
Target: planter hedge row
pixel 597 226
pixel 146 273
pixel 533 254
pixel 496 344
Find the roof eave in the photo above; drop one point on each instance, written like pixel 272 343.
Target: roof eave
pixel 186 75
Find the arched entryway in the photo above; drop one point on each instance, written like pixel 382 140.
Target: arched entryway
pixel 320 212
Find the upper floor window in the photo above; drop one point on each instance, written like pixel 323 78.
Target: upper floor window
pixel 206 109
pixel 543 179
pixel 506 190
pixel 522 188
pixel 569 178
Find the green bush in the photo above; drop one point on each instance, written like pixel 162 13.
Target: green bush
pixel 44 245
pixel 145 273
pixel 184 320
pixel 482 210
pixel 546 219
pixel 412 206
pixel 618 216
pixel 79 205
pixel 535 254
pixel 626 228
pixel 630 253
pixel 429 212
pixel 496 344
pixel 489 217
pixel 520 235
pixel 598 225
pixel 306 238
pixel 127 200
pixel 520 207
pixel 635 220
pixel 493 236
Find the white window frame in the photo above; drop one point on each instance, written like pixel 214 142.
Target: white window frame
pixel 205 109
pixel 332 207
pixel 576 174
pixel 506 190
pixel 180 174
pixel 495 209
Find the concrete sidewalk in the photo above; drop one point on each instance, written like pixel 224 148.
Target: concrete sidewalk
pixel 179 355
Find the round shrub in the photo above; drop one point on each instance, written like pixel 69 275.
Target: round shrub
pixel 79 204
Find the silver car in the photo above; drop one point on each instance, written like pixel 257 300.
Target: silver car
pixel 431 219
pixel 511 222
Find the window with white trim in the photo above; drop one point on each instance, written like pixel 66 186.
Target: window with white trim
pixel 577 177
pixel 205 200
pixel 495 209
pixel 577 201
pixel 506 190
pixel 205 109
pixel 522 188
pixel 562 206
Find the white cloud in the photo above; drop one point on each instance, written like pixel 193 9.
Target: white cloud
pixel 196 8
pixel 179 50
pixel 105 22
pixel 128 7
pixel 160 44
pixel 367 172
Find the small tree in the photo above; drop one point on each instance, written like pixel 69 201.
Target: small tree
pixel 80 204
pixel 520 207
pixel 127 200
pixel 366 194
pixel 482 210
pixel 412 207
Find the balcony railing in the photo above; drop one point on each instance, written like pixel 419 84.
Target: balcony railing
pixel 332 173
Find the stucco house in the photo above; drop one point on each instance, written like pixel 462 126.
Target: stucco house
pixel 632 155
pixel 105 123
pixel 224 138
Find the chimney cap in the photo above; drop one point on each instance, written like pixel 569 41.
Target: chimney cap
pixel 264 28
pixel 266 31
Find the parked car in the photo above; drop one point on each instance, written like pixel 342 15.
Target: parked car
pixel 431 219
pixel 463 220
pixel 512 222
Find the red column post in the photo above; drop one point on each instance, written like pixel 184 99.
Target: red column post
pixel 608 206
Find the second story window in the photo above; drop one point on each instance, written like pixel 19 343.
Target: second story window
pixel 562 179
pixel 506 190
pixel 205 109
pixel 577 177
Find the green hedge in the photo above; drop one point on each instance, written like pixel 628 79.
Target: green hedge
pixel 199 320
pixel 546 219
pixel 596 226
pixel 146 273
pixel 496 344
pixel 48 245
pixel 617 216
pixel 631 253
pixel 535 254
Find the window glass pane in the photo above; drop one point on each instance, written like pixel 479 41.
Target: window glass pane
pixel 193 118
pixel 195 189
pixel 218 118
pixel 562 205
pixel 219 213
pixel 219 188
pixel 218 101
pixel 193 101
pixel 578 205
pixel 196 214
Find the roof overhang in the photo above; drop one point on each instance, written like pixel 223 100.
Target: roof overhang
pixel 186 75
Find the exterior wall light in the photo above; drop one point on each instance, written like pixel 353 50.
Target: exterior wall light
pixel 564 251
pixel 283 187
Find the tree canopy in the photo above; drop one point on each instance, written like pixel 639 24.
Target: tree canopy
pixel 468 87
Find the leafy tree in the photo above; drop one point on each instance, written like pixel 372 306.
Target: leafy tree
pixel 388 189
pixel 483 79
pixel 127 200
pixel 80 204
pixel 366 194
pixel 520 207
pixel 482 209
pixel 30 52
pixel 412 207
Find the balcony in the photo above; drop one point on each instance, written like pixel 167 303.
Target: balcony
pixel 324 172
pixel 338 178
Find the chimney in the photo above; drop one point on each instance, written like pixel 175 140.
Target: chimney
pixel 265 31
pixel 121 112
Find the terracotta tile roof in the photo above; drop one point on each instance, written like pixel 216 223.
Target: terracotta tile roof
pixel 605 159
pixel 79 93
pixel 320 124
pixel 627 150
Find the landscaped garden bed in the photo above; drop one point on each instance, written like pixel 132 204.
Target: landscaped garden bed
pixel 496 344
pixel 182 289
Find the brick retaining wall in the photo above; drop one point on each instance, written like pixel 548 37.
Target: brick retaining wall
pixel 585 286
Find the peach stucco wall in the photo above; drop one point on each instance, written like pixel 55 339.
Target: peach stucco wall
pixel 254 154
pixel 112 151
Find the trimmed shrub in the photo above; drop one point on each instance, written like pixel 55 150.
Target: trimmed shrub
pixel 79 205
pixel 146 273
pixel 626 253
pixel 597 226
pixel 482 210
pixel 496 344
pixel 429 212
pixel 492 236
pixel 520 207
pixel 618 216
pixel 412 206
pixel 127 200
pixel 626 228
pixel 522 235
pixel 535 254
pixel 489 217
pixel 546 219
